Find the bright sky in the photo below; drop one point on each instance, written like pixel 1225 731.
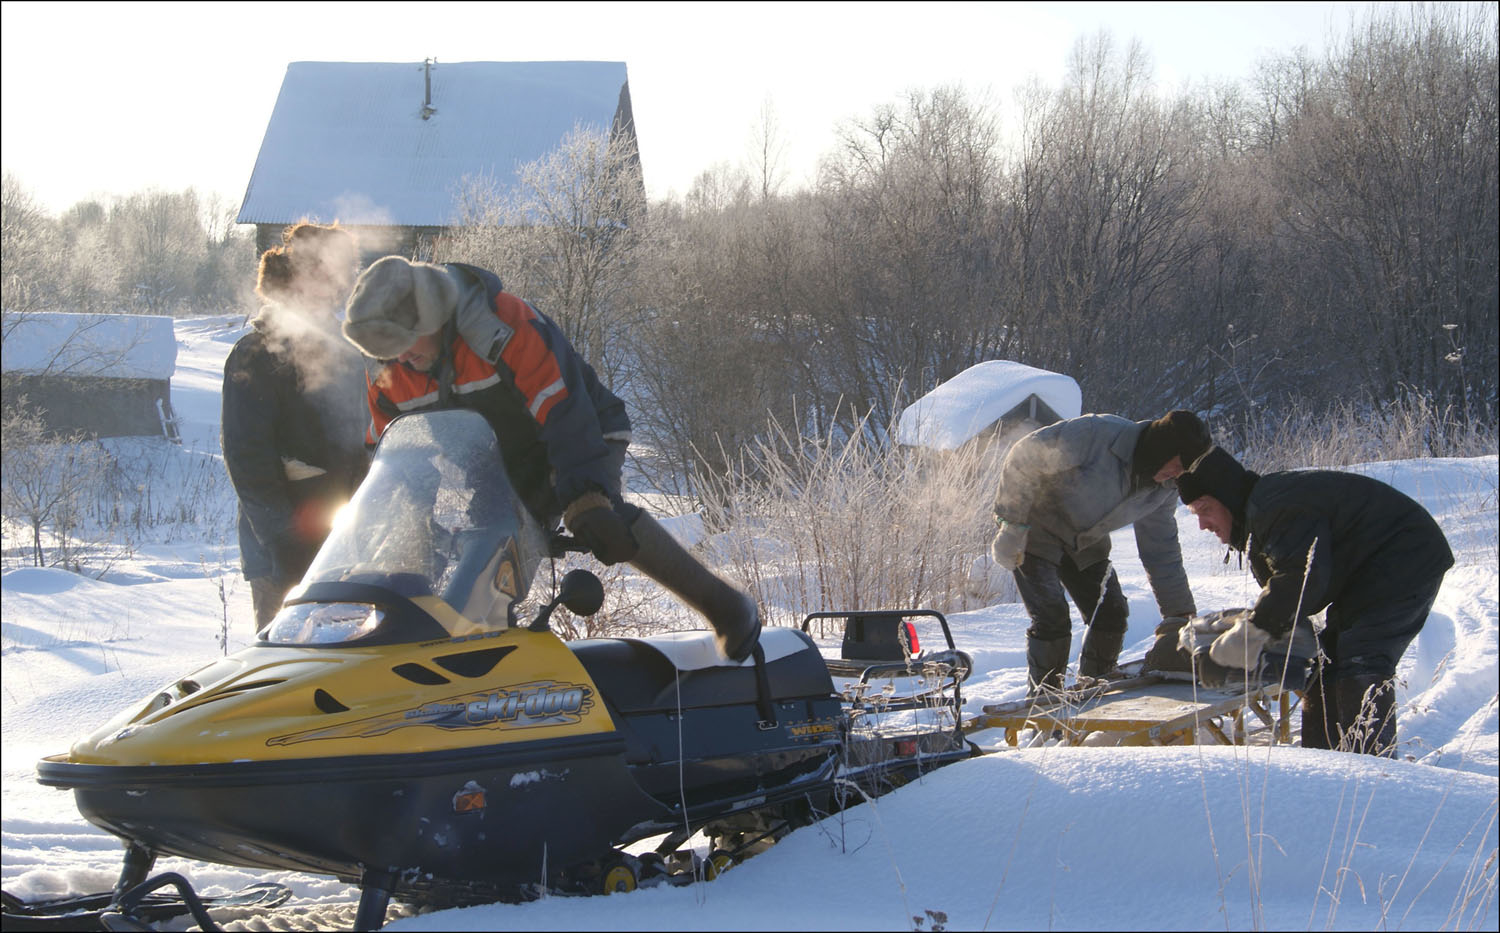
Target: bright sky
pixel 113 98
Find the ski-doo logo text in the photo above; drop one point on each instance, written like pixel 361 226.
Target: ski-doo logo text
pixel 545 702
pixel 521 706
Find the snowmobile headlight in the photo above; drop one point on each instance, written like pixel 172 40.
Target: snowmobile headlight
pixel 323 623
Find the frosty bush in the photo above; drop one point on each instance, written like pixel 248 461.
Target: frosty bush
pixel 158 488
pixel 634 606
pixel 833 522
pixel 49 484
pixel 78 502
pixel 1361 432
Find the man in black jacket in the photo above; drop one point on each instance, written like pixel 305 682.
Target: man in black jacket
pixel 293 420
pixel 1326 539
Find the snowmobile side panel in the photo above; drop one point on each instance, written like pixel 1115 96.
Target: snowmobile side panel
pixel 718 756
pixel 480 815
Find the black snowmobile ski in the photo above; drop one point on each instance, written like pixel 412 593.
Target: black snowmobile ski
pixel 140 908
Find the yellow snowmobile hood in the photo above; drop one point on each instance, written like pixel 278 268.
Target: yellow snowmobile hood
pixel 270 702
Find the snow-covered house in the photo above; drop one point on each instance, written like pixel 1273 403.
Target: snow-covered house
pixel 384 148
pixel 990 403
pixel 106 375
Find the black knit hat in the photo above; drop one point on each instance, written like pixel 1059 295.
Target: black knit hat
pixel 1219 475
pixel 1176 434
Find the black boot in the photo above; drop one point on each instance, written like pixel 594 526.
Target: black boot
pixel 1367 714
pixel 1046 663
pixel 1100 651
pixel 1319 711
pixel 730 612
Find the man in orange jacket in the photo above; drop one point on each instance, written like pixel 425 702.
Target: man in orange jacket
pixel 452 337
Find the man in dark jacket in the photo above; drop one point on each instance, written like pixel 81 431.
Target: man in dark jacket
pixel 292 412
pixel 1062 490
pixel 452 337
pixel 1326 539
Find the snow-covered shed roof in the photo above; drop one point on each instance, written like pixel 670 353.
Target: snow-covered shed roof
pixel 115 346
pixel 958 410
pixel 367 143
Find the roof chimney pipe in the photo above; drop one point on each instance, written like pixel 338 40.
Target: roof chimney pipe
pixel 427 108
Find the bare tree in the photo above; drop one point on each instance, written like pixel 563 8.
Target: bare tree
pixel 49 482
pixel 159 241
pixel 1114 182
pixel 564 238
pixel 1388 184
pixel 27 250
pixel 767 150
pixel 711 366
pixel 909 295
pixel 90 272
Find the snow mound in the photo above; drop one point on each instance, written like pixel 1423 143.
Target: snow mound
pixel 957 410
pixel 41 581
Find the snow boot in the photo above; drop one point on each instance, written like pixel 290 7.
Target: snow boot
pixel 1100 651
pixel 1320 721
pixel 1046 663
pixel 730 612
pixel 1367 714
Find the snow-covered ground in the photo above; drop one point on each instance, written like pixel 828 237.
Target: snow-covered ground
pixel 1047 837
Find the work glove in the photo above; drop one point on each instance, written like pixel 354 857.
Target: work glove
pixel 1164 653
pixel 593 521
pixel 1240 646
pixel 1196 638
pixel 1009 547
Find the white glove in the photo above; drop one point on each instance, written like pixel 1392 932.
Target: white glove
pixel 1009 547
pixel 1240 647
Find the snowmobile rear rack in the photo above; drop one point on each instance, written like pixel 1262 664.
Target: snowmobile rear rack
pixel 910 724
pixel 884 645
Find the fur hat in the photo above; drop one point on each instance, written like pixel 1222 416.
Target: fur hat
pixel 310 253
pixel 1175 434
pixel 397 301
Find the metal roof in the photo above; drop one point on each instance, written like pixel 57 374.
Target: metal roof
pixel 348 141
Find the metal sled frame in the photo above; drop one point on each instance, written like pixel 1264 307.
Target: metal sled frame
pixel 1148 710
pixel 877 652
pixel 887 657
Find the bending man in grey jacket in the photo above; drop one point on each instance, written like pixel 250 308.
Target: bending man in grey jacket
pixel 1063 489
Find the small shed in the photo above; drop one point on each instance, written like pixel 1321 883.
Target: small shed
pixel 989 403
pixel 384 148
pixel 105 375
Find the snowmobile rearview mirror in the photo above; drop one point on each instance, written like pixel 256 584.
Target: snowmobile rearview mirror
pixel 580 591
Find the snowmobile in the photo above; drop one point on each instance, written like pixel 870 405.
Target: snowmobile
pixel 401 726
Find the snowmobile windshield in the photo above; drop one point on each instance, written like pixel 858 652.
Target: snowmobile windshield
pixel 435 517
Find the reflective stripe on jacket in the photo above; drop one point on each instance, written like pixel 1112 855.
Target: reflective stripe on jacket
pixel 551 414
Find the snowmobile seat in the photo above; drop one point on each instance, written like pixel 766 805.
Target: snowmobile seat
pixel 649 675
pixel 879 636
